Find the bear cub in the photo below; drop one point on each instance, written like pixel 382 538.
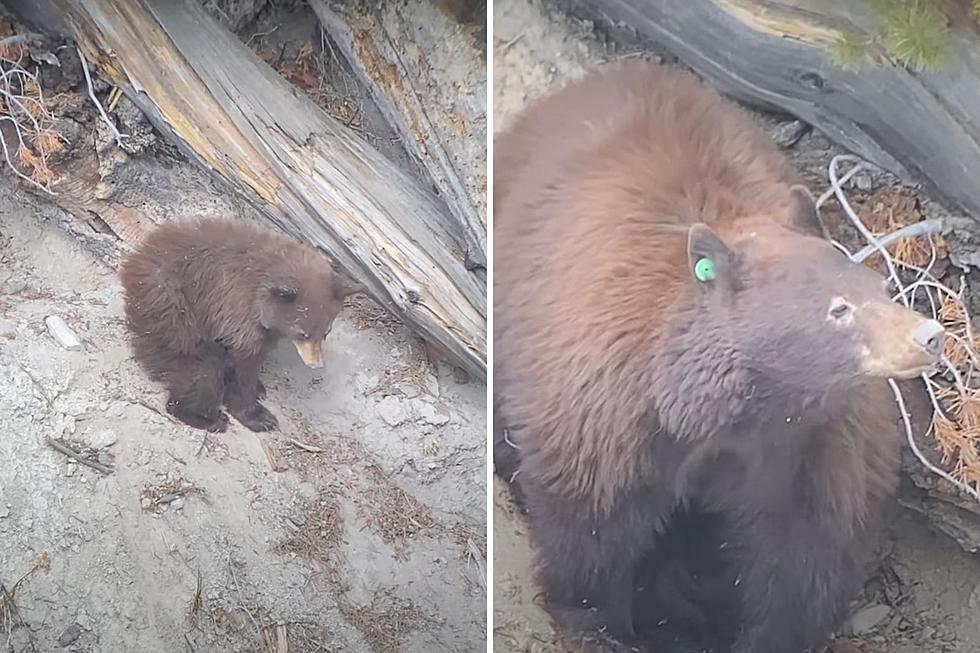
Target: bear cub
pixel 207 299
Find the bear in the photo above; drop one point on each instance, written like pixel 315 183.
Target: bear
pixel 690 381
pixel 207 298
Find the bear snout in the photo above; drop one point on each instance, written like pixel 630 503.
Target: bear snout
pixel 931 336
pixel 902 344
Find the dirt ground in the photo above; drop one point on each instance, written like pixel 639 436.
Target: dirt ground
pixel 926 595
pixel 359 526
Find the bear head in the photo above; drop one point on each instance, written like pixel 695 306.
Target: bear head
pixel 302 302
pixel 798 313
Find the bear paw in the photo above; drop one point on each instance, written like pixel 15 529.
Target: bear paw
pixel 216 421
pixel 257 418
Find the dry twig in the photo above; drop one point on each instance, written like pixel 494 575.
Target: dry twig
pixel 60 447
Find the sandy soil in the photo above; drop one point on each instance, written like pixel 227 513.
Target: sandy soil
pixel 359 526
pixel 926 595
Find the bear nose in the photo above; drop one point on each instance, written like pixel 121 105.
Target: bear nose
pixel 931 336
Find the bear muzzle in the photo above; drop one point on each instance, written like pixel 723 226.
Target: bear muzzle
pixel 311 351
pixel 905 345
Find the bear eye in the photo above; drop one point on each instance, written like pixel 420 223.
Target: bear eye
pixel 839 308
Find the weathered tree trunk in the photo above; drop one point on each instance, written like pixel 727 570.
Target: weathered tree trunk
pixel 774 54
pixel 424 71
pixel 227 110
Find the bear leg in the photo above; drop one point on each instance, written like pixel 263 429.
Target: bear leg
pixel 196 385
pixel 797 579
pixel 243 392
pixel 586 565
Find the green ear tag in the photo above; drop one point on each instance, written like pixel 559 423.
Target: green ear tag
pixel 704 270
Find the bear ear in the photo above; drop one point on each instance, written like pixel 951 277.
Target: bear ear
pixel 345 285
pixel 803 214
pixel 285 291
pixel 709 259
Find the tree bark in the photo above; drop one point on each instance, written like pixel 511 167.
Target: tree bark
pixel 230 112
pixel 424 71
pixel 923 127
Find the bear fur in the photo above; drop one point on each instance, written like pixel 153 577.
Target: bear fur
pixel 703 457
pixel 207 299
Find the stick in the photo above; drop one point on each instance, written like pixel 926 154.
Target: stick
pixel 8 600
pixel 71 453
pixel 924 228
pixel 305 447
pixel 95 100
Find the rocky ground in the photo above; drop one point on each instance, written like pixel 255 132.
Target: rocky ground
pixel 925 596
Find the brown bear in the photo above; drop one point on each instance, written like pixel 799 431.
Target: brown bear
pixel 206 300
pixel 690 380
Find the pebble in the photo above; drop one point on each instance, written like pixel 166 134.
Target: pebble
pixel 393 411
pixel 409 390
pixel 863 181
pixel 430 414
pixel 866 619
pixel 70 635
pixel 789 133
pixel 83 620
pixel 14 286
pixel 177 504
pixel 62 333
pixel 102 439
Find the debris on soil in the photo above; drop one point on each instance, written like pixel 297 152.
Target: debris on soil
pixel 62 333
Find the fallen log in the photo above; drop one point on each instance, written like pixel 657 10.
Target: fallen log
pixel 227 110
pixel 923 127
pixel 419 64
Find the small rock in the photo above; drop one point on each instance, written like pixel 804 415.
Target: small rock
pixel 14 286
pixel 106 458
pixel 430 414
pixel 146 503
pixel 62 333
pixel 83 620
pixel 102 439
pixel 431 384
pixel 70 635
pixel 393 411
pixel 409 390
pixel 789 133
pixel 862 181
pixel 177 504
pixel 867 619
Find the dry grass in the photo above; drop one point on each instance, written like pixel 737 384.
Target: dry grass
pixel 889 209
pixel 156 498
pixel 28 138
pixel 10 617
pixel 387 622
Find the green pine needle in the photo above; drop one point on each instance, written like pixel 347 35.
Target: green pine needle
pixel 918 35
pixel 852 49
pixel 976 8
